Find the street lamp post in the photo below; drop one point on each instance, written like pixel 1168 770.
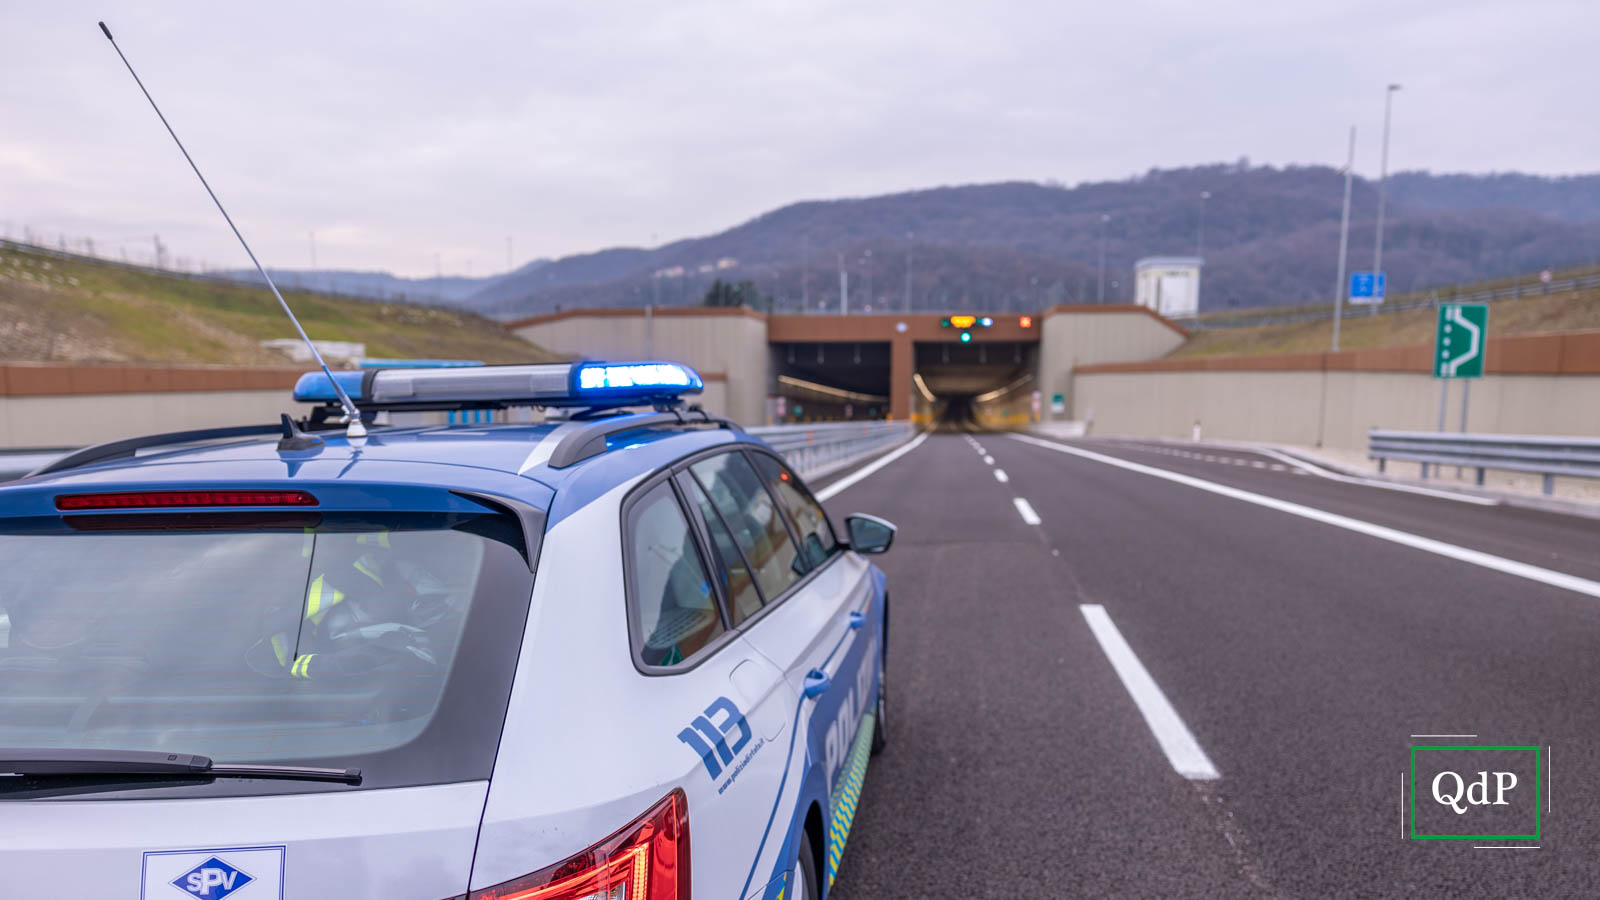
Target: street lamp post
pixel 866 272
pixel 907 309
pixel 844 289
pixel 1344 238
pixel 1383 178
pixel 1100 289
pixel 1200 243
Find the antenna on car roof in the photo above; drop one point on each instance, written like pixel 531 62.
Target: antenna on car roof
pixel 353 428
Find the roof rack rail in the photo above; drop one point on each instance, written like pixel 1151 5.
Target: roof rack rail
pixel 130 446
pixel 590 440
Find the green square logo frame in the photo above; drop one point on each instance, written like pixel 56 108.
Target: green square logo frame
pixel 1538 824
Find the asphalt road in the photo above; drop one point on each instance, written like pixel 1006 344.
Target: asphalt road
pixel 1300 652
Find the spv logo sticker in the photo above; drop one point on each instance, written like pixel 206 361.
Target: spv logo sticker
pixel 212 878
pixel 1476 792
pixel 240 873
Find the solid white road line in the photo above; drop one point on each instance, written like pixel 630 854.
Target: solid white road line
pixel 832 489
pixel 1382 532
pixel 1182 750
pixel 1373 482
pixel 1001 476
pixel 989 460
pixel 1026 511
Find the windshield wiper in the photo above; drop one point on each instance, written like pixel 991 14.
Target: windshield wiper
pixel 92 763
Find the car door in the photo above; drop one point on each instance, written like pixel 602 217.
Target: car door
pixel 735 705
pixel 815 599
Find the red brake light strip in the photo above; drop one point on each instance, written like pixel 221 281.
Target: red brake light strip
pixel 171 499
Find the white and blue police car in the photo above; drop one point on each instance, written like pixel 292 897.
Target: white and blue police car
pixel 624 655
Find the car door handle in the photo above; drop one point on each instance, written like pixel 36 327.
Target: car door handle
pixel 858 619
pixel 817 682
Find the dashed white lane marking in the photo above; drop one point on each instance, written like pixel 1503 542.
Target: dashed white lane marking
pixel 1258 464
pixel 989 460
pixel 1382 532
pixel 1026 511
pixel 1279 467
pixel 868 469
pixel 1001 476
pixel 1176 741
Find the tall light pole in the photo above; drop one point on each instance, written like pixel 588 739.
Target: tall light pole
pixel 844 289
pixel 805 273
pixel 907 309
pixel 1344 238
pixel 1100 290
pixel 1383 178
pixel 866 272
pixel 1200 243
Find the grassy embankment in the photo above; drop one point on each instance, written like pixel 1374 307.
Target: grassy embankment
pixel 66 310
pixel 1360 330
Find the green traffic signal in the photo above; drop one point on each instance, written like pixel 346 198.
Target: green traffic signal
pixel 966 337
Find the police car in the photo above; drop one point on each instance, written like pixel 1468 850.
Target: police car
pixel 619 655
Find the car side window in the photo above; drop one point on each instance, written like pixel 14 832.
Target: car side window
pixel 750 513
pixel 673 603
pixel 817 540
pixel 738 585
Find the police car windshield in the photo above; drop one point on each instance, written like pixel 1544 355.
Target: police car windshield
pixel 316 639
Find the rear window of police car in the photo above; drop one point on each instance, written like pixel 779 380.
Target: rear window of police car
pixel 342 639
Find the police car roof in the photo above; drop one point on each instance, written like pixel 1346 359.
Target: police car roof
pixel 508 460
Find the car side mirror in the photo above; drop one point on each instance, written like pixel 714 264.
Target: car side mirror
pixel 869 534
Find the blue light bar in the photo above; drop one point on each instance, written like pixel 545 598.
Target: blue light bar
pixel 498 387
pixel 314 387
pixel 644 378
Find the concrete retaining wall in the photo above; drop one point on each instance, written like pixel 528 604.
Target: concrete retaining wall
pixel 1542 384
pixel 1074 336
pixel 47 405
pixel 728 346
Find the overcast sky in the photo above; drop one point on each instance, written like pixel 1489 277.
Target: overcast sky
pixel 410 129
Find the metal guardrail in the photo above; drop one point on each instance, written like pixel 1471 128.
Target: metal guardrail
pixel 1545 455
pixel 15 464
pixel 818 449
pixel 811 449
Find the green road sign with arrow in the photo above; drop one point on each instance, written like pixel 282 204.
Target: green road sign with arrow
pixel 1458 345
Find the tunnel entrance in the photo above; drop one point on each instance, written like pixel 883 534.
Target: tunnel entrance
pixel 830 381
pixel 987 385
pixel 977 371
pixel 961 386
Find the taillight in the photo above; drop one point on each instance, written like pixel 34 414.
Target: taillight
pixel 647 860
pixel 170 499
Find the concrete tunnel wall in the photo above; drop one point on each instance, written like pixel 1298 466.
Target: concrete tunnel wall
pixel 733 344
pixel 728 347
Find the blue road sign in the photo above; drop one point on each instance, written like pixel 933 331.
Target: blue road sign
pixel 1366 289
